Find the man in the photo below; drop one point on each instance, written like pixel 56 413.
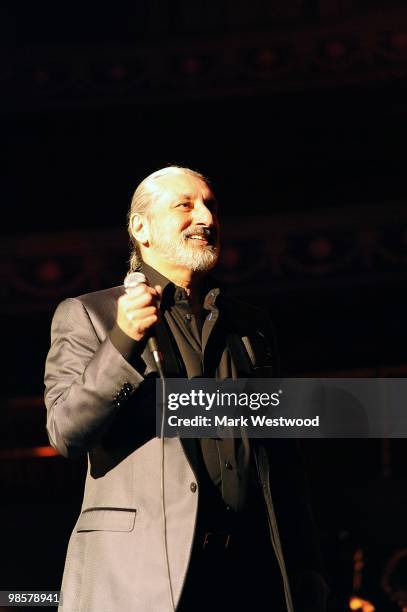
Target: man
pixel 233 531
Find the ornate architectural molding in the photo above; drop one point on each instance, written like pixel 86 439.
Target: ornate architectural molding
pixel 261 255
pixel 363 48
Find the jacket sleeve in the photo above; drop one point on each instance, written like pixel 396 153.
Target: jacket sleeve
pixel 86 381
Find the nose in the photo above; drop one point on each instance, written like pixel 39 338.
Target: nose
pixel 203 215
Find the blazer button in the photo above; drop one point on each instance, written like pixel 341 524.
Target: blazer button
pixel 193 487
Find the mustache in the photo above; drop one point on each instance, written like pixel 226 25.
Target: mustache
pixel 211 234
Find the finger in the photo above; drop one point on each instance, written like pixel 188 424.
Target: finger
pixel 146 323
pixel 132 302
pixel 144 313
pixel 140 289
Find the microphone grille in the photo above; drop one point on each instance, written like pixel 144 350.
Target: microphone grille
pixel 133 279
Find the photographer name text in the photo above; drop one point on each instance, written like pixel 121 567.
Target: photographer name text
pixel 241 421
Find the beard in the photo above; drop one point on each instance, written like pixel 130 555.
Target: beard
pixel 180 252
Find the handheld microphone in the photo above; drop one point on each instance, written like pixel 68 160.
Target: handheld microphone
pixel 133 280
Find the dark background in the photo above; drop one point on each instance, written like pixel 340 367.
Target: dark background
pixel 297 112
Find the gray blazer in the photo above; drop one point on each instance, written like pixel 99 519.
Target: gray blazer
pixel 96 403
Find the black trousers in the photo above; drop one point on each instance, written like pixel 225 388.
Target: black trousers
pixel 244 576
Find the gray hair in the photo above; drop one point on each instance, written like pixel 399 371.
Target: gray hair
pixel 145 194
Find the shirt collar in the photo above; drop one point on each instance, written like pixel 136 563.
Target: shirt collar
pixel 172 293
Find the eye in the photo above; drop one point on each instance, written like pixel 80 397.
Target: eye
pixel 184 205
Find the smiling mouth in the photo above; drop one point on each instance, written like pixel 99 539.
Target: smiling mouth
pixel 199 238
pixel 204 237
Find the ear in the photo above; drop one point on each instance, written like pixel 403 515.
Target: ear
pixel 140 228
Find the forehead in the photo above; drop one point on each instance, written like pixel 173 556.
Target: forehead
pixel 170 188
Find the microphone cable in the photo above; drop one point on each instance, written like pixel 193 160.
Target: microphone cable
pixel 163 512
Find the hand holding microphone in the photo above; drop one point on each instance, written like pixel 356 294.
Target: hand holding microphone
pixel 138 311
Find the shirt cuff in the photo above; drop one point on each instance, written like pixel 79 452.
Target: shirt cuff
pixel 130 349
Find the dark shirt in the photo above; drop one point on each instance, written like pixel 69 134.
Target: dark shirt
pixel 223 461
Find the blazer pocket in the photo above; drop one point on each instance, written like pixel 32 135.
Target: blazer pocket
pixel 106 519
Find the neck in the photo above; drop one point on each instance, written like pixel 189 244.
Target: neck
pixel 180 276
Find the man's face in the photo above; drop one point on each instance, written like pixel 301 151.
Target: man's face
pixel 183 224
